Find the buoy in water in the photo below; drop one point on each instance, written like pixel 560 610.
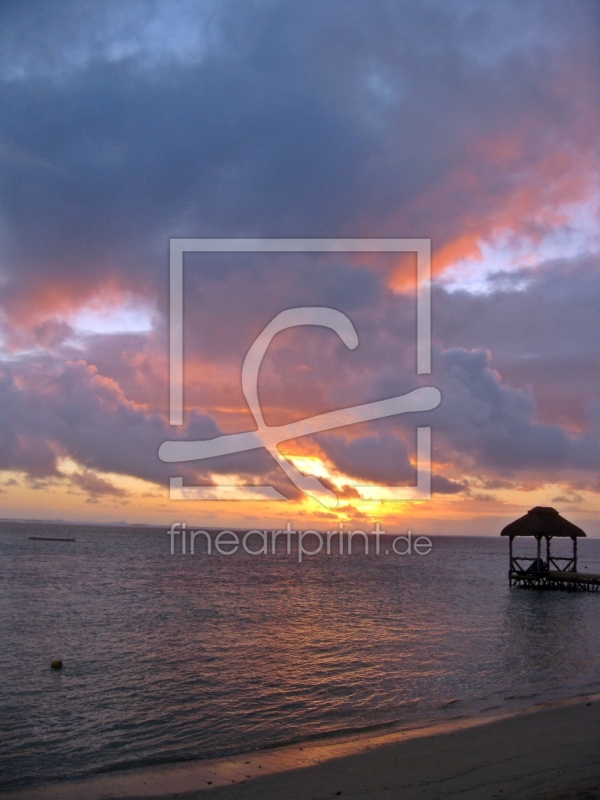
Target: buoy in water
pixel 56 664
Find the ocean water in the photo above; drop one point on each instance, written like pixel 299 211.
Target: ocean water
pixel 172 657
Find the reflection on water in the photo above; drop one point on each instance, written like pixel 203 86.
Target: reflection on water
pixel 186 657
pixel 548 634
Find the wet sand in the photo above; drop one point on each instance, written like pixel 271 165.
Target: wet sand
pixel 550 752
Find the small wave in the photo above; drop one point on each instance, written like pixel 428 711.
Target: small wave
pixel 522 696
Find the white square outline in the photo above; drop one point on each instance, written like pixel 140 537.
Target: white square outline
pixel 422 248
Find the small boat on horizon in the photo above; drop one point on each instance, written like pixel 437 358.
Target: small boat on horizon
pixel 52 539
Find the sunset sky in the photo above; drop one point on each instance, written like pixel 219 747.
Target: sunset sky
pixel 474 124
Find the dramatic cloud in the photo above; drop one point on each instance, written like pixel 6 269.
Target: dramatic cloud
pixel 451 122
pixel 473 124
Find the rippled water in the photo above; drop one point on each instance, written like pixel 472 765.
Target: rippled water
pixel 178 657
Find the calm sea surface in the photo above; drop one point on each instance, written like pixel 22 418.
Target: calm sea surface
pixel 181 657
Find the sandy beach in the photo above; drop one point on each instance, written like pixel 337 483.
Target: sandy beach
pixel 550 752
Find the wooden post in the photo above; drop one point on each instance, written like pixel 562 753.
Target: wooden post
pixel 510 555
pixel 539 552
pixel 574 554
pixel 548 553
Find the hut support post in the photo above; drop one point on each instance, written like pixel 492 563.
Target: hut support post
pixel 539 550
pixel 574 554
pixel 548 553
pixel 510 556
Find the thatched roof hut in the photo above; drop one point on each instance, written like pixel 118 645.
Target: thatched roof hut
pixel 542 521
pixel 552 572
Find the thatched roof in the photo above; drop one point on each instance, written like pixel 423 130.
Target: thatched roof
pixel 542 521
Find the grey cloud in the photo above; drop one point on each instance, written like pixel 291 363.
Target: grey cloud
pixel 441 485
pixel 95 486
pixel 380 456
pixel 317 119
pixel 51 410
pixel 494 425
pixel 543 336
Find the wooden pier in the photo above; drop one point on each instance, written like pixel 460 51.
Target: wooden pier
pixel 544 570
pixel 567 581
